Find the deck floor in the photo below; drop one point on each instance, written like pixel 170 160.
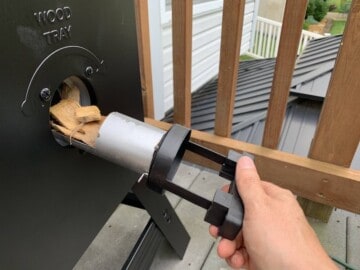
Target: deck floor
pixel 340 237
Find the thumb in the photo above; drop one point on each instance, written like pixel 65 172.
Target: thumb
pixel 248 180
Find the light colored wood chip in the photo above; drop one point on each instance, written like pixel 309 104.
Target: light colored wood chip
pixel 91 132
pixel 76 122
pixel 89 135
pixel 62 129
pixel 87 114
pixel 64 113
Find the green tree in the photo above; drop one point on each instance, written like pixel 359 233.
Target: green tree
pixel 317 8
pixel 321 9
pixel 310 9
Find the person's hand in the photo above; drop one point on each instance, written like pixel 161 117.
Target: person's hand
pixel 275 233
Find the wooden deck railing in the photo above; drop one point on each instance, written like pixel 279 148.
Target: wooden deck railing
pixel 267 35
pixel 324 176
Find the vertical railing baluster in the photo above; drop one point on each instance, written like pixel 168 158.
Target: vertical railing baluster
pixel 285 62
pixel 232 25
pixel 182 54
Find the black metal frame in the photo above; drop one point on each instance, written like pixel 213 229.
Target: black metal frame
pixel 226 210
pixel 164 224
pixel 163 214
pixel 145 248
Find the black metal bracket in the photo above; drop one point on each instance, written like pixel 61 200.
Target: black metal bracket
pixel 226 210
pixel 163 214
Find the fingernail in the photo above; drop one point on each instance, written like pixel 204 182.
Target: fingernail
pixel 246 163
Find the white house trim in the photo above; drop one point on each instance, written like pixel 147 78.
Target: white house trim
pixel 198 9
pixel 155 29
pixel 207 19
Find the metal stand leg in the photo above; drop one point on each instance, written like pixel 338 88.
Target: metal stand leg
pixel 145 248
pixel 163 214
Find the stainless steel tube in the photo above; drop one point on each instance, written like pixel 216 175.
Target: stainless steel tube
pixel 128 142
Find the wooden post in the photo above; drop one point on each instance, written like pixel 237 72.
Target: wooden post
pixel 142 29
pixel 294 15
pixel 182 49
pixel 232 24
pixel 338 133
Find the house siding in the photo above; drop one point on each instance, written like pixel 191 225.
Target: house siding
pixel 205 47
pixel 272 9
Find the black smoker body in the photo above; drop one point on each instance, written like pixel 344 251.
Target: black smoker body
pixel 53 199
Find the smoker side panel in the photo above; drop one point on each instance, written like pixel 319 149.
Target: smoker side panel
pixel 54 200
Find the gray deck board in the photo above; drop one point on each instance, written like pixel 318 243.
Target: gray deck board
pixel 113 244
pixel 184 177
pixel 353 240
pixel 332 235
pixel 340 237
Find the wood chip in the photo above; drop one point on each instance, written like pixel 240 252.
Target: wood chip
pixel 64 113
pixel 76 122
pixel 87 114
pixel 89 135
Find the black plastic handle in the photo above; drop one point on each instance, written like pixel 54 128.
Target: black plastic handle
pixel 227 208
pixel 233 221
pixel 226 212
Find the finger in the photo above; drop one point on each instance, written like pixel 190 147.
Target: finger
pixel 225 188
pixel 214 231
pixel 238 259
pixel 226 248
pixel 248 180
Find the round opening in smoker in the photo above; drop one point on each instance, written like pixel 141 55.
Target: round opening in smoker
pixel 73 88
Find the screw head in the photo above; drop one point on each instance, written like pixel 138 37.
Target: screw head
pixel 166 216
pixel 89 71
pixel 45 94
